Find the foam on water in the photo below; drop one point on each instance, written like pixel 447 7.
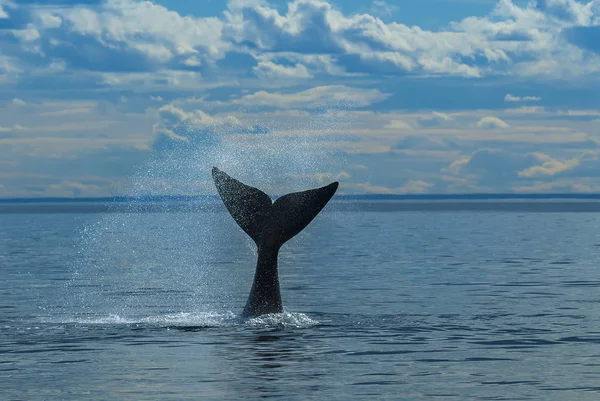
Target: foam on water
pixel 198 319
pixel 285 319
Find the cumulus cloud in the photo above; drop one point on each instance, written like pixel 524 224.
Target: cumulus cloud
pixel 310 38
pixel 491 122
pixel 177 128
pixel 284 61
pixel 127 36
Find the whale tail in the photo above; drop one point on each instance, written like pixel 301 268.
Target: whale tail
pixel 266 222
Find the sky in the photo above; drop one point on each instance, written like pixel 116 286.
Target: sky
pixel 117 97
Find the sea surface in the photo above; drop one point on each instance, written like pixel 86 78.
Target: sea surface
pixel 381 303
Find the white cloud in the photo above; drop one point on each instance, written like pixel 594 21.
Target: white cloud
pixel 398 124
pixel 383 9
pixel 551 167
pixel 286 63
pixel 526 110
pixel 559 186
pixel 568 10
pixel 165 33
pixel 72 189
pixel 410 187
pixel 491 122
pixel 311 38
pixel 511 98
pixel 269 70
pixel 178 127
pixel 14 128
pixel 495 167
pixel 321 96
pixel 328 177
pixel 435 119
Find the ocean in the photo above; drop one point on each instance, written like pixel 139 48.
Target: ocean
pixel 382 302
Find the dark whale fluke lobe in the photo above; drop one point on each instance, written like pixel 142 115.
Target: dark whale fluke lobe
pixel 270 225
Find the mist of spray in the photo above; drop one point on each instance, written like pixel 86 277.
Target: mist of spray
pixel 172 261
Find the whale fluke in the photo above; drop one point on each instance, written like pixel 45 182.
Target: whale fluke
pixel 270 225
pixel 248 206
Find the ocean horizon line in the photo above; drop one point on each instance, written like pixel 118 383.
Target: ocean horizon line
pixel 367 197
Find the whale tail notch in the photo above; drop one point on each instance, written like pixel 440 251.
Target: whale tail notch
pixel 267 222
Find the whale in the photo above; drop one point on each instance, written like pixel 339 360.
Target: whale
pixel 270 225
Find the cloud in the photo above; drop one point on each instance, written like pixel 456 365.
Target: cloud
pixel 180 129
pixel 423 142
pixel 559 186
pixel 501 170
pixel 398 125
pixel 490 122
pixel 410 187
pixel 526 110
pixel 435 119
pixel 72 189
pixel 383 9
pixel 278 68
pixel 511 98
pixel 318 97
pixel 269 70
pixel 493 166
pixel 567 10
pixel 328 177
pixel 14 128
pixel 549 166
pixel 166 36
pixel 310 39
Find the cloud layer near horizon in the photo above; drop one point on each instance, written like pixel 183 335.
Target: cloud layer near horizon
pixel 97 93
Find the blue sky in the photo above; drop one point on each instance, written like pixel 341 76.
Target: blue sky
pixel 115 97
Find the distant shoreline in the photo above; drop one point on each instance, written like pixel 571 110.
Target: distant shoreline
pixel 358 197
pixel 497 203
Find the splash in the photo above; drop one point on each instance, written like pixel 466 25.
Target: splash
pixel 134 263
pixel 196 319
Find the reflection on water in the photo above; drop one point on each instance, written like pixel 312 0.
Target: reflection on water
pixel 379 305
